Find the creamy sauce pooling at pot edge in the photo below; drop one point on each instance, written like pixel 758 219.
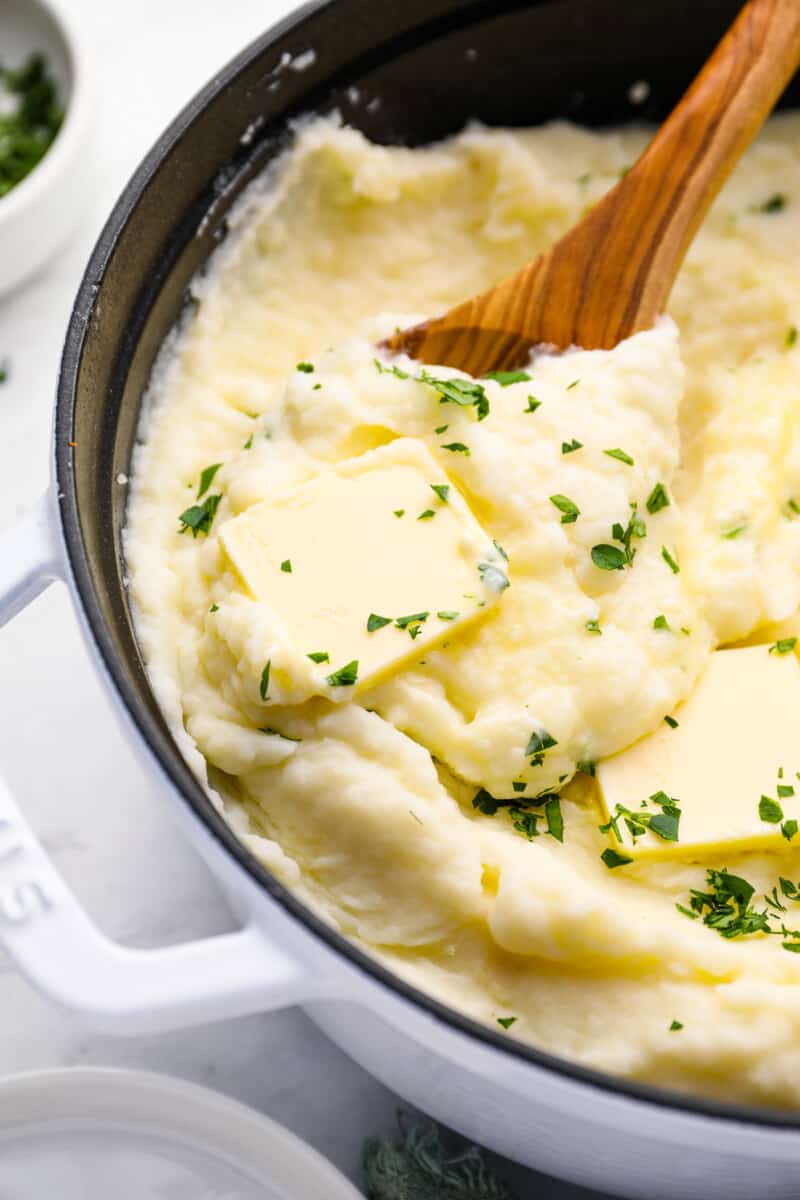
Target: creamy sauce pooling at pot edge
pixel 581 537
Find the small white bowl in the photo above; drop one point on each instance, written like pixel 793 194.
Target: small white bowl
pixel 38 214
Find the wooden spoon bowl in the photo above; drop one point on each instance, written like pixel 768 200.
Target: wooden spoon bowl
pixel 611 275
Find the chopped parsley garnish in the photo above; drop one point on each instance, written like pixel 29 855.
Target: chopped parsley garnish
pixel 783 646
pixel 464 392
pixel 613 859
pixel 593 627
pixel 263 688
pixel 316 387
pixel 791 335
pixel 769 810
pixel 791 509
pixel 730 534
pixel 249 443
pixel 611 558
pixel 319 656
pixel 568 508
pixel 608 558
pixel 519 785
pixel 286 566
pixel 533 404
pixel 673 724
pixel 399 512
pixel 442 491
pixel 207 478
pixel 572 385
pixel 427 515
pixel 554 818
pixel 413 619
pixel 675 1026
pixel 305 367
pixel 670 560
pixel 5 370
pixel 345 676
pixel 214 608
pixel 725 907
pixel 457 448
pixel 657 499
pixel 499 549
pixel 375 622
pixel 664 824
pixel 568 447
pixel 539 742
pixel 29 121
pixel 585 767
pixel 199 517
pixel 620 455
pixel 485 802
pixel 661 622
pixel 776 203
pixel 506 1022
pixel 441 429
pixel 785 790
pixel 447 615
pixel 789 829
pixel 505 378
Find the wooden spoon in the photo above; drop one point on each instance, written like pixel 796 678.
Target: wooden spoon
pixel 611 275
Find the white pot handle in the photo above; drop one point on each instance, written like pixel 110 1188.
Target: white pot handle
pixel 53 941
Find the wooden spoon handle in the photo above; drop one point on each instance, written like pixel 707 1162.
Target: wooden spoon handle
pixel 611 275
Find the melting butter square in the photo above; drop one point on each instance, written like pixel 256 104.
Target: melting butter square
pixel 371 536
pixel 735 732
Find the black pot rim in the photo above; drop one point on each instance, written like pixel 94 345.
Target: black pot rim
pixel 168 756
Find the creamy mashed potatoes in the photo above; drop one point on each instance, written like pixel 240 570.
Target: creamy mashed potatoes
pixel 658 480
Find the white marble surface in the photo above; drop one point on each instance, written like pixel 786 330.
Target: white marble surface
pixel 60 749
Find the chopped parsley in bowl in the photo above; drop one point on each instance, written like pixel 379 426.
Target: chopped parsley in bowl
pixel 30 118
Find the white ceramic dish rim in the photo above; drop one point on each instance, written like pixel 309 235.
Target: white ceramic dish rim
pixel 71 137
pixel 161 1106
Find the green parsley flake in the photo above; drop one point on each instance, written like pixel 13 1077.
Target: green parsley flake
pixel 585 768
pixel 608 558
pixel 286 566
pixel 730 534
pixel 661 622
pixel 613 859
pixel 783 646
pixel 345 676
pixel 725 907
pixel 569 447
pixel 214 608
pixel 199 517
pixel 264 685
pixel 412 622
pixel 593 627
pixel 519 785
pixel 785 790
pixel 30 122
pixel 249 443
pixel 5 370
pixel 427 515
pixel 442 490
pixel 776 203
pixel 769 810
pixel 572 385
pixel 447 615
pixel 305 367
pixel 493 577
pixel 791 336
pixel 620 455
pixel 399 512
pixel 207 478
pixel 657 499
pixel 670 560
pixel 568 508
pixel 441 429
pixel 675 1026
pixel 506 1022
pixel 506 378
pixel 673 724
pixel 319 656
pixel 539 741
pixel 375 622
pixel 533 404
pixel 457 448
pixel 554 818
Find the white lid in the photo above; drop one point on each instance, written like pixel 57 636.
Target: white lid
pixel 94 1134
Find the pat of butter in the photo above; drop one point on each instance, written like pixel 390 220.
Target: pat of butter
pixel 371 538
pixel 735 732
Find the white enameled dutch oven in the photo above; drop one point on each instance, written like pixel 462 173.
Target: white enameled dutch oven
pixel 409 72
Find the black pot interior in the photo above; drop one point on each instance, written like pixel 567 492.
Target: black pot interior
pixel 422 69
